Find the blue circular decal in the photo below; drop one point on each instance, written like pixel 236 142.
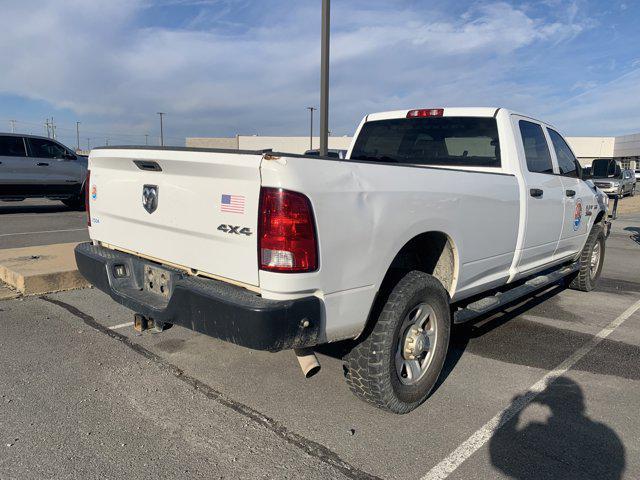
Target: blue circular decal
pixel 577 215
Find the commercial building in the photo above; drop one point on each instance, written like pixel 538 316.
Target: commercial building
pixel 277 144
pixel 624 148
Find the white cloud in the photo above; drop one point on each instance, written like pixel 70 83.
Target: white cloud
pixel 584 85
pixel 610 109
pixel 94 59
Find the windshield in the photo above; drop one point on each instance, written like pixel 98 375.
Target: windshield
pixel 453 141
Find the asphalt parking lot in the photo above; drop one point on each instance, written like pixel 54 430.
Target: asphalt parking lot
pixel 40 222
pixel 83 395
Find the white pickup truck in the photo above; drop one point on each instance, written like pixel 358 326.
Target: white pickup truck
pixel 436 216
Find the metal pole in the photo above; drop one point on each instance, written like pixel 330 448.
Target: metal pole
pixel 88 144
pixel 13 126
pixel 78 134
pixel 324 78
pixel 311 109
pixel 53 129
pixel 146 139
pixel 161 129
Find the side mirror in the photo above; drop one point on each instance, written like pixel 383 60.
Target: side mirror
pixel 605 168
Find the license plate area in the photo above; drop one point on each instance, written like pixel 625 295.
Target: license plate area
pixel 158 281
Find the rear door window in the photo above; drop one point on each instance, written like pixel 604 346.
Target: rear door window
pixel 12 147
pixel 443 141
pixel 536 150
pixel 42 148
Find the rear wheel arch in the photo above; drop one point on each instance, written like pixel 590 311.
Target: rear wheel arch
pixel 433 253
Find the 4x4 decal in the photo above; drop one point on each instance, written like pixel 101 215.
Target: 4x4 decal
pixel 235 229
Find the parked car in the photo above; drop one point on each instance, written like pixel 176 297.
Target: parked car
pixel 39 167
pixel 612 179
pixel 629 177
pixel 331 152
pixel 433 211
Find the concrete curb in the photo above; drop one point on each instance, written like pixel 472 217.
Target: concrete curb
pixel 41 269
pixel 7 293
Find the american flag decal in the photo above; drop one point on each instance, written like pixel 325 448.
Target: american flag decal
pixel 232 203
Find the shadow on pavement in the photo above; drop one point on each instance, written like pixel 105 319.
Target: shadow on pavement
pixel 569 445
pixel 15 207
pixel 462 334
pixel 635 233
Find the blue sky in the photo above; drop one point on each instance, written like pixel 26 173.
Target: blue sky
pixel 221 67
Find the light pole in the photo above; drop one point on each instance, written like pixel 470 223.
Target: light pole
pixel 146 139
pixel 78 134
pixel 161 129
pixel 88 144
pixel 324 78
pixel 13 126
pixel 311 109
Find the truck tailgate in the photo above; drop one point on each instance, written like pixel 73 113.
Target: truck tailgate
pixel 206 213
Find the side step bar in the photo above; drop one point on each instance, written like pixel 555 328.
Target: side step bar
pixel 501 299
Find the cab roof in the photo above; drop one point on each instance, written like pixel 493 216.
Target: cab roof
pixel 452 112
pixel 447 112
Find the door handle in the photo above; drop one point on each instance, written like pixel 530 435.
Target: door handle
pixel 570 193
pixel 42 164
pixel 536 192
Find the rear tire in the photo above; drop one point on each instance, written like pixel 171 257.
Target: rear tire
pixel 590 261
pixel 398 359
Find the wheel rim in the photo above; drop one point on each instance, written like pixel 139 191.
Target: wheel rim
pixel 416 344
pixel 595 260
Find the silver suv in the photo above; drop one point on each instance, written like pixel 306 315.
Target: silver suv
pixel 32 166
pixel 611 178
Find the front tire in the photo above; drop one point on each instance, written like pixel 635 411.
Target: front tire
pixel 591 261
pixel 398 360
pixel 76 203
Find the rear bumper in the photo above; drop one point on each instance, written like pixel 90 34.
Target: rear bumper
pixel 212 307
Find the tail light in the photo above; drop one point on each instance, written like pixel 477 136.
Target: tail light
pixel 425 112
pixel 87 193
pixel 286 232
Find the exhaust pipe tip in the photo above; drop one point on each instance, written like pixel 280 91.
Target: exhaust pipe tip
pixel 308 362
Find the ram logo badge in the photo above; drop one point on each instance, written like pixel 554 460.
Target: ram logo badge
pixel 237 230
pixel 150 198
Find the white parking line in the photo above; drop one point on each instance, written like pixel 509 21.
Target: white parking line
pixel 122 325
pixel 447 466
pixel 43 231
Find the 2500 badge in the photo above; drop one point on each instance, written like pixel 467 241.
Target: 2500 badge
pixel 234 229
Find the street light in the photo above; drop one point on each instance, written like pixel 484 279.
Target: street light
pixel 161 129
pixel 78 135
pixel 311 109
pixel 324 78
